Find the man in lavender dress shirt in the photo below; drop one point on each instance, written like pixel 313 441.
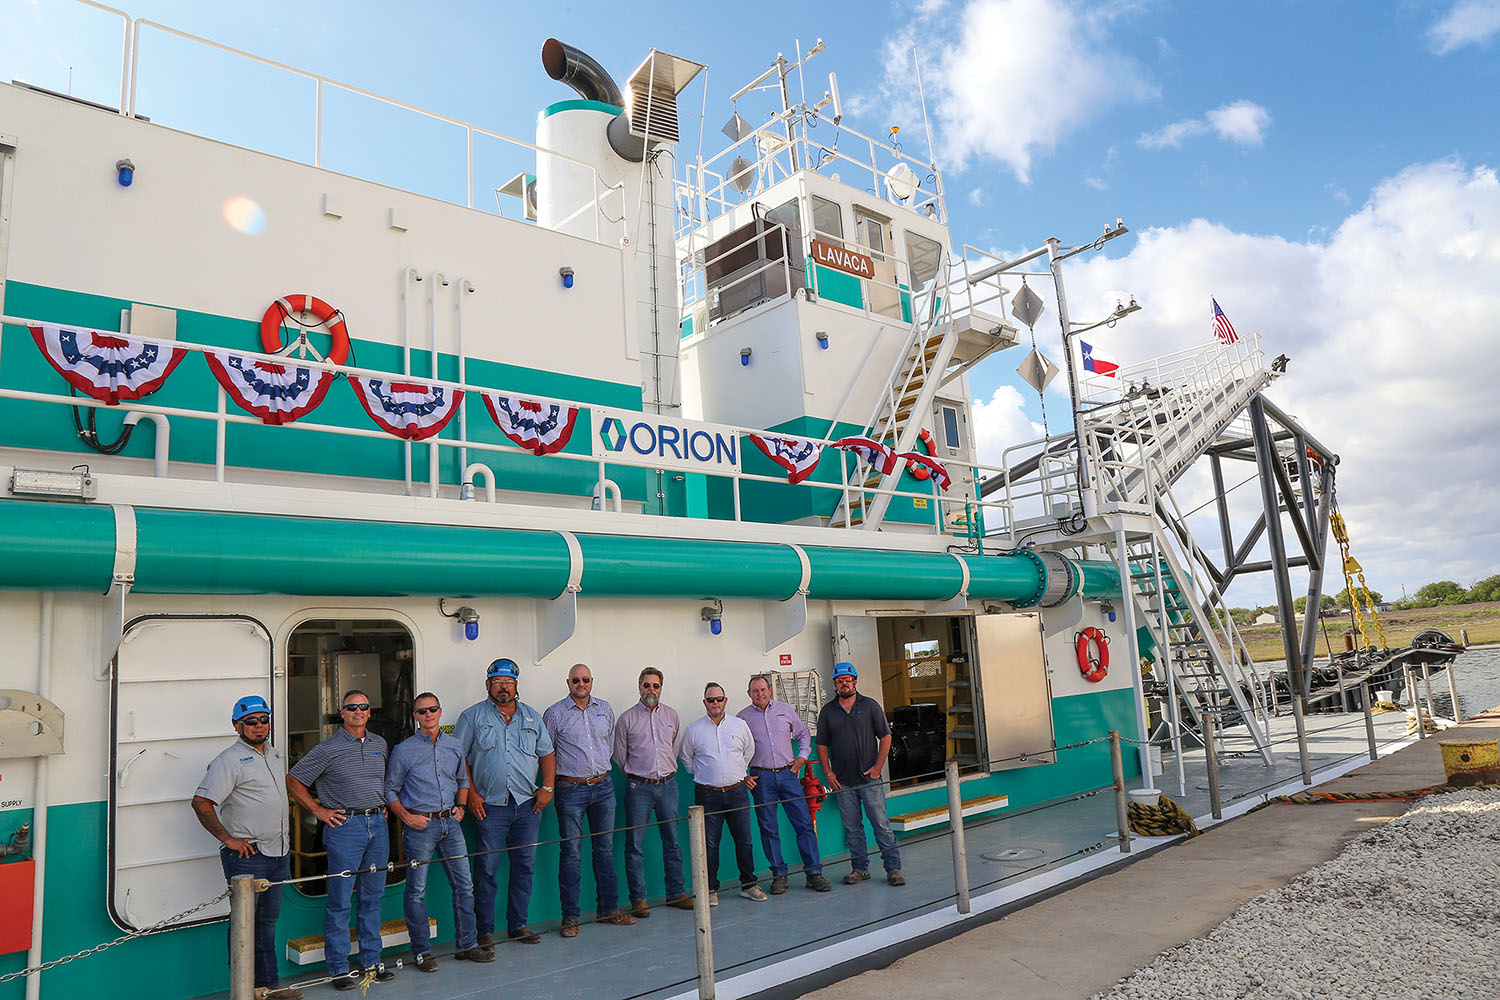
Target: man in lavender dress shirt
pixel 777 768
pixel 582 729
pixel 647 738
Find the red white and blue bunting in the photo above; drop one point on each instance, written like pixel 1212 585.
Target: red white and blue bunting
pixel 411 410
pixel 543 428
pixel 932 465
pixel 107 366
pixel 876 455
pixel 798 456
pixel 277 392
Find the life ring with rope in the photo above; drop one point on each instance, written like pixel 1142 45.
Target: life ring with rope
pixel 283 308
pixel 920 472
pixel 1094 668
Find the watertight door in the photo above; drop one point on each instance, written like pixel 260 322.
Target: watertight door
pixel 176 679
pixel 855 639
pixel 1013 690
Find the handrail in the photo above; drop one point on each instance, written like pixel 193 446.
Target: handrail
pixel 222 416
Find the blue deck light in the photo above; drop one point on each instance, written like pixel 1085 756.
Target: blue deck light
pixel 567 276
pixel 745 353
pixel 125 172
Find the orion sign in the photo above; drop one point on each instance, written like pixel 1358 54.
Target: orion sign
pixel 663 441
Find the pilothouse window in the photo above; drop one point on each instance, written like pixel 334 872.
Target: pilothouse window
pixel 828 219
pixel 923 257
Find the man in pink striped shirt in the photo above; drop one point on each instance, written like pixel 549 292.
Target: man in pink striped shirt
pixel 777 768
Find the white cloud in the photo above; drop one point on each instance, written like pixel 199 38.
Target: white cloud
pixel 1241 122
pixel 1468 22
pixel 1389 323
pixel 1000 422
pixel 1051 60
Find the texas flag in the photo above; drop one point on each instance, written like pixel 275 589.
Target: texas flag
pixel 1096 362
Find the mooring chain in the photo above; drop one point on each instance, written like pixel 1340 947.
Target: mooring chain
pixel 160 925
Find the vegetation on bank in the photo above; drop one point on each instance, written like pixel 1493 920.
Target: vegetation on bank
pixel 1441 593
pixel 1481 621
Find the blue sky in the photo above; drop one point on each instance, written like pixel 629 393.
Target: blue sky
pixel 1326 169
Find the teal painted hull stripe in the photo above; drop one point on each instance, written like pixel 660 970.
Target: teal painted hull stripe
pixel 62 546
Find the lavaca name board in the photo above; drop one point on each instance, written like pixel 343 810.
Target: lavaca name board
pixel 848 261
pixel 664 442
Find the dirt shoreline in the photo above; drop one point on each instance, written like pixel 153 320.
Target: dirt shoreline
pixel 1481 620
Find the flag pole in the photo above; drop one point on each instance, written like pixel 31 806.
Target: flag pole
pixel 1054 261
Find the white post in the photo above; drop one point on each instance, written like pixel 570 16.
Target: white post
pixel 956 835
pixel 702 928
pixel 242 937
pixel 1133 651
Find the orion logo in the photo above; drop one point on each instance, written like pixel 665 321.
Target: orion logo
pixel 612 434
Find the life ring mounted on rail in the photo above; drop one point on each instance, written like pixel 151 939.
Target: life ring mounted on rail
pixel 1093 667
pixel 284 308
pixel 920 472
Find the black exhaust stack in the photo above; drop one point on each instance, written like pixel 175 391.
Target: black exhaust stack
pixel 592 81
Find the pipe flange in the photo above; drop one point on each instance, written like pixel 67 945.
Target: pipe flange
pixel 1033 599
pixel 1064 579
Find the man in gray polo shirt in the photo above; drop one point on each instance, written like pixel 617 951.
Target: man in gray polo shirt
pixel 853 742
pixel 242 803
pixel 349 771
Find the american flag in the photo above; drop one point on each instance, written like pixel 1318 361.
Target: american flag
pixel 1223 329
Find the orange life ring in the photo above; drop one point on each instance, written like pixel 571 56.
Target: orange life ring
pixel 921 472
pixel 1093 668
pixel 284 307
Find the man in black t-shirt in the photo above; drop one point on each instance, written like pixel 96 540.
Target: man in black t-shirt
pixel 853 742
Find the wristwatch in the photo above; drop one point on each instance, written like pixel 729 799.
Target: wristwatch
pixel 547 789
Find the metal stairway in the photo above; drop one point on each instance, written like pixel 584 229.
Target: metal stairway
pixel 1191 628
pixel 910 389
pixel 1174 408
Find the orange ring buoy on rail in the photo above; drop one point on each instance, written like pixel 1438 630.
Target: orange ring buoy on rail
pixel 921 472
pixel 284 307
pixel 1093 668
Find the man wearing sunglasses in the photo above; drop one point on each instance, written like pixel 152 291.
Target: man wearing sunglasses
pixel 242 803
pixel 426 787
pixel 348 769
pixel 647 739
pixel 582 728
pixel 717 749
pixel 505 743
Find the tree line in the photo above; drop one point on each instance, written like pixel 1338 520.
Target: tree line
pixel 1430 595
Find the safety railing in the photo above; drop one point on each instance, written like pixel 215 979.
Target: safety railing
pixel 223 416
pixel 130 89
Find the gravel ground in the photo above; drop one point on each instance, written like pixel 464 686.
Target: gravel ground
pixel 1409 910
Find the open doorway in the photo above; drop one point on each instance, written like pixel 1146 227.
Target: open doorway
pixel 929 695
pixel 325 658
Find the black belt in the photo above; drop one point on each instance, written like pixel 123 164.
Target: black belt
pixel 437 815
pixel 360 812
pixel 583 781
pixel 651 781
pixel 783 767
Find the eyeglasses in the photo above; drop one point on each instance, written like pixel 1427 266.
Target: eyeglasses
pixel 357 708
pixel 652 685
pixel 428 710
pixel 713 701
pixel 580 680
pixel 256 720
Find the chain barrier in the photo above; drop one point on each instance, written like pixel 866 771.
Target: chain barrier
pixel 159 926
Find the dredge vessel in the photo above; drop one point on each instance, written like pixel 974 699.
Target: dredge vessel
pixel 708 414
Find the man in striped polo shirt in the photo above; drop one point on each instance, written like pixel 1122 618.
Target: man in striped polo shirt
pixel 348 770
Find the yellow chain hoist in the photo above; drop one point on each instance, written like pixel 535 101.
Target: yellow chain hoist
pixel 1359 597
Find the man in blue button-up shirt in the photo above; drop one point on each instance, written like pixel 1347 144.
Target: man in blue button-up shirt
pixel 582 729
pixel 504 743
pixel 426 786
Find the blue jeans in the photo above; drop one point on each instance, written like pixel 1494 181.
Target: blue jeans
pixel 359 842
pixel 574 801
pixel 870 795
pixel 267 907
pixel 784 787
pixel 642 798
pixel 732 807
pixel 443 839
pixel 513 826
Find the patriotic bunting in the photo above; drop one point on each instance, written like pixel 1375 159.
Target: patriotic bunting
pixel 932 465
pixel 411 410
pixel 543 428
pixel 875 454
pixel 276 392
pixel 107 366
pixel 798 456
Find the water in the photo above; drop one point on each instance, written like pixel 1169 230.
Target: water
pixel 1478 673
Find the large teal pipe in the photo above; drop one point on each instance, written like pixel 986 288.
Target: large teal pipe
pixel 56 546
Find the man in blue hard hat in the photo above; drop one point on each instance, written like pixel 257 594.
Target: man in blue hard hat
pixel 242 803
pixel 505 743
pixel 854 740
